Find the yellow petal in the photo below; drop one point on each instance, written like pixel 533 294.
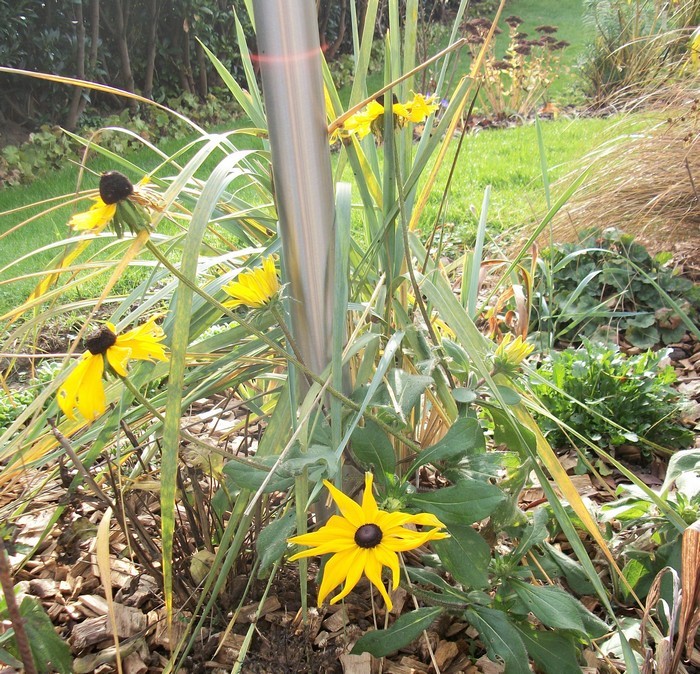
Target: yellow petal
pixel 389 558
pixel 350 510
pixel 373 571
pixel 95 219
pixel 353 574
pixel 336 571
pixel 143 342
pixel 118 358
pixel 369 505
pixel 91 396
pixel 68 391
pixel 254 288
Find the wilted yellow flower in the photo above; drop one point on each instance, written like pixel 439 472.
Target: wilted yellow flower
pixel 255 288
pixel 83 387
pixel 363 541
pixel 510 354
pixel 95 219
pixel 114 187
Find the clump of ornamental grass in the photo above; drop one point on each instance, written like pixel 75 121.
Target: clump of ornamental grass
pixel 639 47
pixel 647 182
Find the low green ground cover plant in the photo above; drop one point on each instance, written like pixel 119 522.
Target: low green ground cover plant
pixel 608 283
pixel 610 398
pixel 15 400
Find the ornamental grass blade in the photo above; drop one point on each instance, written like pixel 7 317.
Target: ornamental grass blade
pixel 104 567
pixel 221 177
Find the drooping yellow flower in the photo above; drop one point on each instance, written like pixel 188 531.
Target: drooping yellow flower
pixel 114 187
pixel 363 541
pixel 255 288
pixel 95 219
pixel 510 354
pixel 83 387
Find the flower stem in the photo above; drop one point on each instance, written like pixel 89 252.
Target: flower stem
pixel 8 589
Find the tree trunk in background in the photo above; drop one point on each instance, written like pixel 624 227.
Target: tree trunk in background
pixel 121 21
pixel 186 67
pixel 202 68
pixel 74 111
pixel 153 11
pixel 342 21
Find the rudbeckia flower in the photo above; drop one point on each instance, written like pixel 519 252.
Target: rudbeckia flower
pixel 114 187
pixel 363 540
pixel 255 288
pixel 83 387
pixel 510 354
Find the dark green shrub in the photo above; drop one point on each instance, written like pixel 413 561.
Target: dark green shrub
pixel 588 387
pixel 608 282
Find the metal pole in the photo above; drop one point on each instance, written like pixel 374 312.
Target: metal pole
pixel 290 63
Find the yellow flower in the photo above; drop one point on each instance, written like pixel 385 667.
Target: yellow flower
pixel 420 108
pixel 95 219
pixel 509 355
pixel 364 540
pixel 254 288
pixel 83 387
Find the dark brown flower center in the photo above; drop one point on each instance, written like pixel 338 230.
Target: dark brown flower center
pixel 368 536
pixel 115 187
pixel 99 341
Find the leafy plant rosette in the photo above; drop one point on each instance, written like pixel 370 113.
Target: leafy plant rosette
pixel 611 399
pixel 608 282
pixel 209 326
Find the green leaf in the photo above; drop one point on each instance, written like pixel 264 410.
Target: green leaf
pixel 466 502
pixel 371 447
pixel 464 395
pixel 510 396
pixel 681 462
pixel 246 476
pixel 406 391
pixel 553 606
pixel 534 534
pixel 501 639
pixel 51 653
pixel 405 630
pixel 554 652
pixel 272 540
pixel 465 437
pixel 465 555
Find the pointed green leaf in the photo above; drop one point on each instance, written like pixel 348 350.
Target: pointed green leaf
pixel 501 639
pixel 371 447
pixel 464 438
pixel 272 540
pixel 405 630
pixel 554 652
pixel 465 555
pixel 553 606
pixel 466 502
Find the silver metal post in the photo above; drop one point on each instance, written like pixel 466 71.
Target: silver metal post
pixel 290 63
